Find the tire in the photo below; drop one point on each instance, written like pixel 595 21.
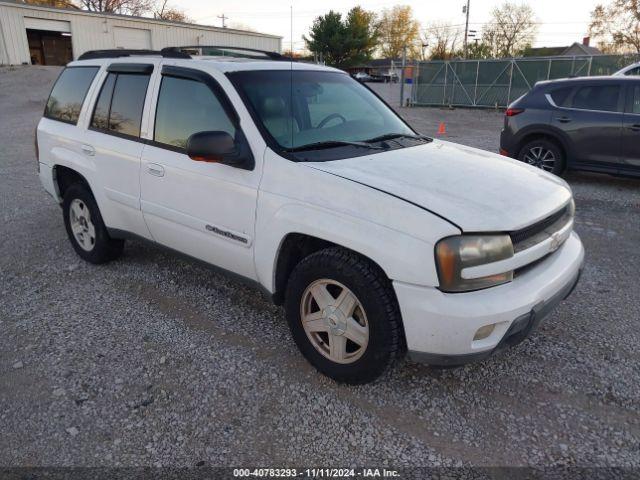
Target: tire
pixel 544 154
pixel 328 334
pixel 85 228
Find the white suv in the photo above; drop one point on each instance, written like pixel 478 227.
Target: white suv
pixel 376 239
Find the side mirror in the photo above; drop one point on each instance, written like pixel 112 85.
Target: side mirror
pixel 220 147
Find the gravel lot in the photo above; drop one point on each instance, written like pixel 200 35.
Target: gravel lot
pixel 153 360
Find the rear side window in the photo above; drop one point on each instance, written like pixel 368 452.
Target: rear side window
pixel 635 105
pixel 186 107
pixel 560 96
pixel 597 97
pixel 68 94
pixel 120 104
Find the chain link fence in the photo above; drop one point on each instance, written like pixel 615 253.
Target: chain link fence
pixel 496 83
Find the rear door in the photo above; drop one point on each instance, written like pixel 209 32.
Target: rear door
pixel 630 161
pixel 593 123
pixel 113 142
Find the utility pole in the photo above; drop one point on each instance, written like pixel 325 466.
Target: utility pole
pixel 223 17
pixel 404 64
pixel 466 26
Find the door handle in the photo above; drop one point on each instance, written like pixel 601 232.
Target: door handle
pixel 155 169
pixel 88 150
pixel 564 119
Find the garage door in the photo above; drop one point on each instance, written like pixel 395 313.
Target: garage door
pixel 45 24
pixel 137 38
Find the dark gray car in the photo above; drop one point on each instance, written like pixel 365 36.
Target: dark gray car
pixel 589 123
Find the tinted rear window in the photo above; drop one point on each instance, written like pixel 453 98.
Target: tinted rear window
pixel 560 96
pixel 67 96
pixel 597 97
pixel 120 104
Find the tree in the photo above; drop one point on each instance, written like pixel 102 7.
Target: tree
pixel 511 29
pixel 343 43
pixel 398 29
pixel 617 26
pixel 443 38
pixel 477 51
pixel 53 3
pixel 362 31
pixel 124 7
pixel 162 11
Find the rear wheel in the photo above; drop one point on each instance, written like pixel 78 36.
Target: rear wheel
pixel 85 228
pixel 544 154
pixel 343 315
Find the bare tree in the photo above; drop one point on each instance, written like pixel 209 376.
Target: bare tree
pixel 397 29
pixel 617 26
pixel 443 38
pixel 163 11
pixel 125 7
pixel 511 29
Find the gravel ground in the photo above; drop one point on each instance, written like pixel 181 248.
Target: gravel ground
pixel 153 360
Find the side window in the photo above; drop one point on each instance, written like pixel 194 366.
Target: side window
pixel 635 105
pixel 597 97
pixel 67 96
pixel 633 72
pixel 560 96
pixel 186 107
pixel 120 104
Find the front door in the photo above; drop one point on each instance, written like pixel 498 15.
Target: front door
pixel 630 158
pixel 206 210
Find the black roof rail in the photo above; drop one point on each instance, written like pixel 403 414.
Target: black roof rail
pixel 251 52
pixel 116 53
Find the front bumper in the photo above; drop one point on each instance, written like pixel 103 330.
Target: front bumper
pixel 440 327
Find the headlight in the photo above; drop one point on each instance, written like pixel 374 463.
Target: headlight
pixel 454 254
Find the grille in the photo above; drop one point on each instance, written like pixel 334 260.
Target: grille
pixel 536 233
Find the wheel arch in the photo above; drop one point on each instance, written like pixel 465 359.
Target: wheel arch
pixel 295 247
pixel 64 177
pixel 547 133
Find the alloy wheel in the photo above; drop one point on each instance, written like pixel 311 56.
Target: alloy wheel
pixel 81 225
pixel 335 321
pixel 541 157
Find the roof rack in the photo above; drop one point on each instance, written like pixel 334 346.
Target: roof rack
pixel 116 53
pixel 226 51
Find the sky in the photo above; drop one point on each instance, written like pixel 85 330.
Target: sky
pixel 561 22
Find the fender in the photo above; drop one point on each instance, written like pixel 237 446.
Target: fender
pixel 401 256
pixel 550 131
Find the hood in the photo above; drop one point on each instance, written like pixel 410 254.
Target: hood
pixel 478 191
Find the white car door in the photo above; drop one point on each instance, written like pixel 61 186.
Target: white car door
pixel 205 210
pixel 113 140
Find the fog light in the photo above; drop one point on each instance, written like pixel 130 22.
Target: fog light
pixel 484 332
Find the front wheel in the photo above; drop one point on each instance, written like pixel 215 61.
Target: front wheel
pixel 544 154
pixel 343 315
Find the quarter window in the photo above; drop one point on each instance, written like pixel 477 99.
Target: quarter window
pixel 67 96
pixel 597 97
pixel 561 95
pixel 186 107
pixel 120 104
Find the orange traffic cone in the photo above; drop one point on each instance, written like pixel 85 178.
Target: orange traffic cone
pixel 442 130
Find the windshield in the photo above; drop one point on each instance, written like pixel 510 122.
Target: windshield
pixel 316 109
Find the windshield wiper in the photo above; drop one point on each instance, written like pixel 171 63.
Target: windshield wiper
pixel 391 136
pixel 331 144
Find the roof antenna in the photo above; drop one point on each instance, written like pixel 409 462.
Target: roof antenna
pixel 291 75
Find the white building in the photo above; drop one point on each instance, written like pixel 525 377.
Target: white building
pixel 53 36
